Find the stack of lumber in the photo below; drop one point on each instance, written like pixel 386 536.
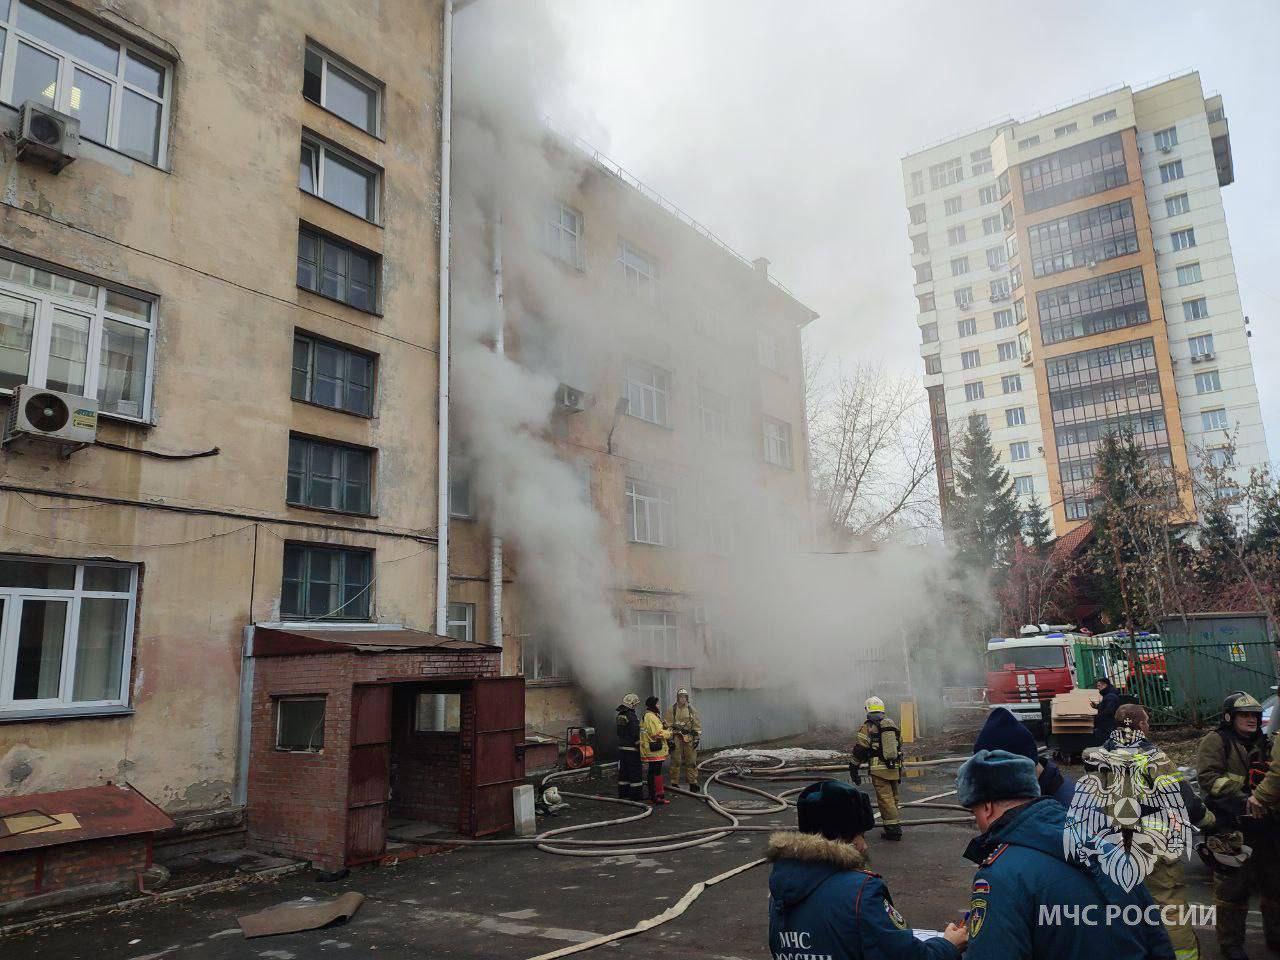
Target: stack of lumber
pixel 1074 712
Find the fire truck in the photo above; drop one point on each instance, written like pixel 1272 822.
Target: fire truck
pixel 1036 665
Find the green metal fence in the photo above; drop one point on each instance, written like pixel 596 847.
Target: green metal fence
pixel 1183 673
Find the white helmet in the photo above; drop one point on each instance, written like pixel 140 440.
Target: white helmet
pixel 874 705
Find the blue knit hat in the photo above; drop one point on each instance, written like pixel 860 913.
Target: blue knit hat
pixel 835 809
pixel 996 775
pixel 1004 731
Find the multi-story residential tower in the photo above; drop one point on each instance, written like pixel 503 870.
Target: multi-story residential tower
pixel 1074 277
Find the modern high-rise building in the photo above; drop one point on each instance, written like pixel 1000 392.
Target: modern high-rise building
pixel 1074 277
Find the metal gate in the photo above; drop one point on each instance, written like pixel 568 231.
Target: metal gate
pixel 369 773
pixel 497 708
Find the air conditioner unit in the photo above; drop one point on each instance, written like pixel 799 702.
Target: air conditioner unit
pixel 1091 264
pixel 965 306
pixel 39 414
pixel 1166 149
pixel 1026 359
pixel 47 136
pixel 1198 357
pixel 570 398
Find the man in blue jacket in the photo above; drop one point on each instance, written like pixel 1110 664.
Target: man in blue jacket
pixel 1004 731
pixel 822 900
pixel 1028 900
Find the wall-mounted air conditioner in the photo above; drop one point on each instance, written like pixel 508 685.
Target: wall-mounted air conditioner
pixel 1166 149
pixel 51 416
pixel 570 398
pixel 47 136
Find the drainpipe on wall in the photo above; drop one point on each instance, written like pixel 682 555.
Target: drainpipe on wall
pixel 495 543
pixel 244 722
pixel 442 469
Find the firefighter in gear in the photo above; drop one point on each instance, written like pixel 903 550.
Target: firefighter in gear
pixel 654 737
pixel 686 729
pixel 877 746
pixel 1167 880
pixel 630 768
pixel 1231 761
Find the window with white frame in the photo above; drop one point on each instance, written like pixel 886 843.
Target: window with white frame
pixel 951 206
pixel 999 288
pixel 1065 130
pixel 540 659
pixel 1004 318
pixel 300 724
pixel 461 502
pixel 767 350
pixel 929 332
pixel 336 176
pixel 974 391
pixel 963 296
pixel 66 634
pixel 1189 273
pixel 970 359
pixel 562 236
pixel 1020 450
pixel 1183 239
pixel 997 257
pixel 1028 142
pixel 713 413
pixel 1011 383
pixel 933 365
pixel 460 621
pixel 967 327
pixel 950 171
pixel 1208 382
pixel 777 442
pixel 1008 350
pixel 917 213
pixel 1211 420
pixel 1196 309
pixel 981 160
pixel 656 636
pixel 1171 171
pixel 1167 138
pixel 77 336
pixel 119 94
pixel 959 265
pixel 341 89
pixel 1100 118
pixel 1015 416
pixel 648 392
pixel 991 225
pixel 1024 486
pixel 1177 205
pixel 955 235
pixel 920 243
pixel 926 302
pixel 1220 457
pixel 1201 346
pixel 988 194
pixel 917 182
pixel 639 271
pixel 650 517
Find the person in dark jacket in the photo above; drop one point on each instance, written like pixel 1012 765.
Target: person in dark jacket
pixel 1105 721
pixel 822 900
pixel 1030 901
pixel 1004 731
pixel 630 769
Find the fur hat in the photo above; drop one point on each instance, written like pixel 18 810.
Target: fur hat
pixel 651 703
pixel 837 810
pixel 1004 731
pixel 631 700
pixel 996 775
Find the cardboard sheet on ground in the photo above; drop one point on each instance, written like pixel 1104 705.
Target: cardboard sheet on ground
pixel 298 915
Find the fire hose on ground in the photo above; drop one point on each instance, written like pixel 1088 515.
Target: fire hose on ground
pixel 762 767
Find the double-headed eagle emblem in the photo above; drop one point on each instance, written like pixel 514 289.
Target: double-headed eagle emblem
pixel 1127 813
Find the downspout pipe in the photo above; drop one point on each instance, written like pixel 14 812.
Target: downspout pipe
pixel 442 467
pixel 495 543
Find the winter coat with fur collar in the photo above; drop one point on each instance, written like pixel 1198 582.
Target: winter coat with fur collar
pixel 824 903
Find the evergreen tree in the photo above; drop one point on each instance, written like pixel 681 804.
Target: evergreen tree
pixel 1220 545
pixel 983 516
pixel 1036 528
pixel 1265 535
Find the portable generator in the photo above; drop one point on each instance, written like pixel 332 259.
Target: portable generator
pixel 579 753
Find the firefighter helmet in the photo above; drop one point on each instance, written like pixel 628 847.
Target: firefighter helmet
pixel 1241 703
pixel 631 700
pixel 874 705
pixel 682 692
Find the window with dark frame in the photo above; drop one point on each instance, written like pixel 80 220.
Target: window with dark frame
pixel 329 476
pixel 338 270
pixel 300 724
pixel 322 582
pixel 332 376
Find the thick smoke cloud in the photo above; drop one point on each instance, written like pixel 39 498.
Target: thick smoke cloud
pixel 826 624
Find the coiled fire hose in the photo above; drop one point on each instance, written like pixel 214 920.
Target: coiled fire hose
pixel 740 766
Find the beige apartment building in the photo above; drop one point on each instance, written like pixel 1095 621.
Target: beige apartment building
pixel 1074 276
pixel 239 271
pixel 684 423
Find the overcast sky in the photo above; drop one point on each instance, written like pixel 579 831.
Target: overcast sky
pixel 781 124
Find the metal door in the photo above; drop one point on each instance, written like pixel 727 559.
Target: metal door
pixel 369 781
pixel 497 764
